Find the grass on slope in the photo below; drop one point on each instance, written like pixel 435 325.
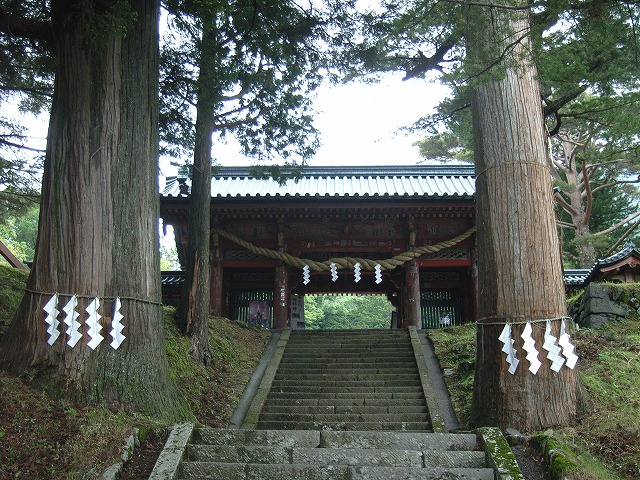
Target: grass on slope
pixel 49 438
pixel 606 440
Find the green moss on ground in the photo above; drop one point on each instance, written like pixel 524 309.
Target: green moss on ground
pixel 213 391
pixel 456 350
pixel 604 443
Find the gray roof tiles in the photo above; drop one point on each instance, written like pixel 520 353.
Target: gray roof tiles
pixel 376 181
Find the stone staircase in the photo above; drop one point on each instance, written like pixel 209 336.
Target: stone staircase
pixel 350 405
pixel 347 380
pixel 324 455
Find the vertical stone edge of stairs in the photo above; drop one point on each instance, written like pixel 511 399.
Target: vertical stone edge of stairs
pixel 433 407
pixel 499 455
pixel 250 420
pixel 168 464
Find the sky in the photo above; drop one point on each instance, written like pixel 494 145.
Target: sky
pixel 359 123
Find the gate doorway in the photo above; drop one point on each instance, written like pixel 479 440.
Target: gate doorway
pixel 353 312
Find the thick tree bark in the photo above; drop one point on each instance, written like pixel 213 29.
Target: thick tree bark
pixel 98 231
pixel 193 311
pixel 519 267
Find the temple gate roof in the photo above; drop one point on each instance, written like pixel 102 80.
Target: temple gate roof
pixel 431 181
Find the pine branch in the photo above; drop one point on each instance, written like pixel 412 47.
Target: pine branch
pixel 28 28
pixel 426 64
pixel 624 236
pixel 619 224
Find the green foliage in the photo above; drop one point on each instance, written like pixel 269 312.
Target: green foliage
pixel 12 282
pixel 264 65
pixel 325 312
pixel 169 257
pixel 26 80
pixel 19 233
pixel 443 147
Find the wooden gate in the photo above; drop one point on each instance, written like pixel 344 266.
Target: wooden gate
pixel 440 308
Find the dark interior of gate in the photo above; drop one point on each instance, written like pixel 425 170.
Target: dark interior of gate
pixel 413 223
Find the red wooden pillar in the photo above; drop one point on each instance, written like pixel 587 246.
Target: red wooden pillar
pixel 413 295
pixel 215 278
pixel 215 303
pixel 281 298
pixel 474 286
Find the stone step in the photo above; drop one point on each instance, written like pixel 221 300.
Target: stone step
pixel 369 369
pixel 346 354
pixel 333 362
pixel 354 409
pixel 351 426
pixel 359 347
pixel 286 377
pixel 355 346
pixel 343 402
pixel 208 471
pixel 341 357
pixel 400 440
pixel 346 333
pixel 311 456
pixel 345 382
pixel 365 396
pixel 218 436
pixel 337 439
pixel 344 417
pixel 346 389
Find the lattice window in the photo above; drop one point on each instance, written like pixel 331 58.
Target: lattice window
pixel 449 254
pixel 241 254
pixel 249 277
pixel 440 276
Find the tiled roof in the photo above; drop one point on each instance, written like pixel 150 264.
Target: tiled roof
pixel 627 250
pixel 576 276
pixel 583 276
pixel 376 181
pixel 173 278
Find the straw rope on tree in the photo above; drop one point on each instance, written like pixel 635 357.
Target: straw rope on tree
pixel 346 262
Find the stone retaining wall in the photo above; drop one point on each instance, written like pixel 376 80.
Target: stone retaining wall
pixel 601 303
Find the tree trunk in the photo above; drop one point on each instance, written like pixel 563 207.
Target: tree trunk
pixel 519 268
pixel 193 311
pixel 578 203
pixel 98 228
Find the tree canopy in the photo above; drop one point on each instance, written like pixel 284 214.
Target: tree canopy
pixel 265 64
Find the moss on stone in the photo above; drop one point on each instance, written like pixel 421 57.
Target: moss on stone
pixel 499 454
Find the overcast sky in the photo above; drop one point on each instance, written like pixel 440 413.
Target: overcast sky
pixel 359 123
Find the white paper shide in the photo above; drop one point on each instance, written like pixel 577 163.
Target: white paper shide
pixel 530 347
pixel 505 338
pixel 71 321
pixel 93 323
pixel 51 319
pixel 116 325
